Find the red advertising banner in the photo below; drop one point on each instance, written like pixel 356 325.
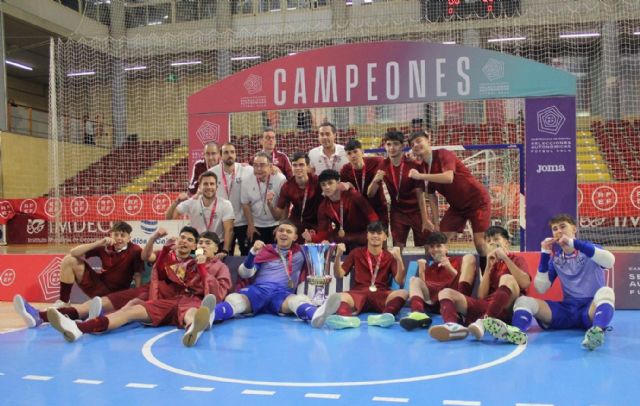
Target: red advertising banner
pixel 36 277
pixel 609 200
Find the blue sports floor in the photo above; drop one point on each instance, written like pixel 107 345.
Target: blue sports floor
pixel 282 361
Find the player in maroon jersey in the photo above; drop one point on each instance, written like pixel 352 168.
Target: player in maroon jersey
pixel 436 273
pixel 278 159
pixel 211 159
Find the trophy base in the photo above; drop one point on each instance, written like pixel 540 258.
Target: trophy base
pixel 321 284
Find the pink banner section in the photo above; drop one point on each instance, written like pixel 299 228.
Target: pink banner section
pixel 203 129
pixel 609 200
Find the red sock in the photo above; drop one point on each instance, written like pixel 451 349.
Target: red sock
pixel 394 305
pixel 417 304
pixel 97 325
pixel 43 315
pixel 70 312
pixel 465 288
pixel 344 309
pixel 499 301
pixel 448 311
pixel 65 291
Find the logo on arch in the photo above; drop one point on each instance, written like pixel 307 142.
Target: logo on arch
pixel 493 69
pixel 550 120
pixel 253 84
pixel 208 132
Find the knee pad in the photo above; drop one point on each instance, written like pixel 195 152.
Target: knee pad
pixel 237 302
pixel 604 295
pixel 296 301
pixel 526 303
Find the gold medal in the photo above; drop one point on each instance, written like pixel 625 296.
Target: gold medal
pixel 290 284
pixel 341 233
pixel 373 288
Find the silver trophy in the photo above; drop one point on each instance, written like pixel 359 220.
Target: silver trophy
pixel 318 258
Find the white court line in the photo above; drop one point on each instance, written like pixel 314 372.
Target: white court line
pixel 141 385
pixel 461 402
pixel 197 389
pixel 87 381
pixel 392 400
pixel 37 377
pixel 258 392
pixel 12 330
pixel 322 395
pixel 147 353
pixel 534 404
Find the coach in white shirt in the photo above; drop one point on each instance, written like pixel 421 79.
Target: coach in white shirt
pixel 230 175
pixel 260 192
pixel 207 211
pixel 328 155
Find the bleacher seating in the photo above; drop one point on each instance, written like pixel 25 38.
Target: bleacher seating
pixel 619 142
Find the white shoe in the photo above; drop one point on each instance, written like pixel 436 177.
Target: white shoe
pixel 58 304
pixel 448 332
pixel 29 314
pixel 63 324
pixel 95 308
pixel 329 307
pixel 477 329
pixel 209 302
pixel 200 323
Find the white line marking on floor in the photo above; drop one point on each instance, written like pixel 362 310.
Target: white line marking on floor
pixel 87 381
pixel 12 330
pixel 392 400
pixel 197 389
pixel 147 353
pixel 37 377
pixel 461 402
pixel 322 395
pixel 534 404
pixel 258 392
pixel 141 385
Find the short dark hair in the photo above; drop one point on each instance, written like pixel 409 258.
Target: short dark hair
pixel 328 124
pixel 497 230
pixel 262 154
pixel 393 136
pixel 210 235
pixel 417 134
pixel 190 230
pixel 376 227
pixel 328 174
pixel 558 218
pixel 352 145
pixel 287 222
pixel 435 238
pixel 121 226
pixel 207 174
pixel 299 155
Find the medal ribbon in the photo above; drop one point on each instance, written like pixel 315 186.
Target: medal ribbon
pixel 340 218
pixel 288 264
pixel 355 178
pixel 228 188
pixel 397 184
pixel 266 189
pixel 374 274
pixel 304 199
pixel 214 206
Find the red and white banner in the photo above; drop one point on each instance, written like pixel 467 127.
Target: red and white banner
pixel 36 277
pixel 609 200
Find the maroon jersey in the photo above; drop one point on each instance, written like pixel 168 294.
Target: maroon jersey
pixel 291 193
pixel 397 177
pixel 199 168
pixel 437 277
pixel 356 215
pixel 357 262
pixel 465 192
pixel 118 267
pixel 354 176
pixel 281 160
pixel 500 268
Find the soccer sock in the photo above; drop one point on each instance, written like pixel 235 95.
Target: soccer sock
pixel 394 305
pixel 344 309
pixel 43 315
pixel 97 325
pixel 603 315
pixel 465 288
pixel 417 304
pixel 522 319
pixel 305 311
pixel 70 312
pixel 65 291
pixel 482 261
pixel 223 311
pixel 448 311
pixel 499 301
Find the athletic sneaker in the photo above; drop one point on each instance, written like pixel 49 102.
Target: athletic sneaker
pixel 500 329
pixel 448 332
pixel 209 302
pixel 329 307
pixel 95 308
pixel 381 320
pixel 28 313
pixel 593 338
pixel 415 320
pixel 200 323
pixel 477 329
pixel 339 322
pixel 59 303
pixel 63 324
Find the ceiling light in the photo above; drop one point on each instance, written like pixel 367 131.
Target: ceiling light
pixel 84 73
pixel 506 39
pixel 18 65
pixel 186 63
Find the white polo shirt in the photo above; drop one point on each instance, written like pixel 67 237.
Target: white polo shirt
pixel 254 194
pixel 232 189
pixel 320 161
pixel 199 215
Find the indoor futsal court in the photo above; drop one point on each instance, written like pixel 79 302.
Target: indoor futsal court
pixel 108 108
